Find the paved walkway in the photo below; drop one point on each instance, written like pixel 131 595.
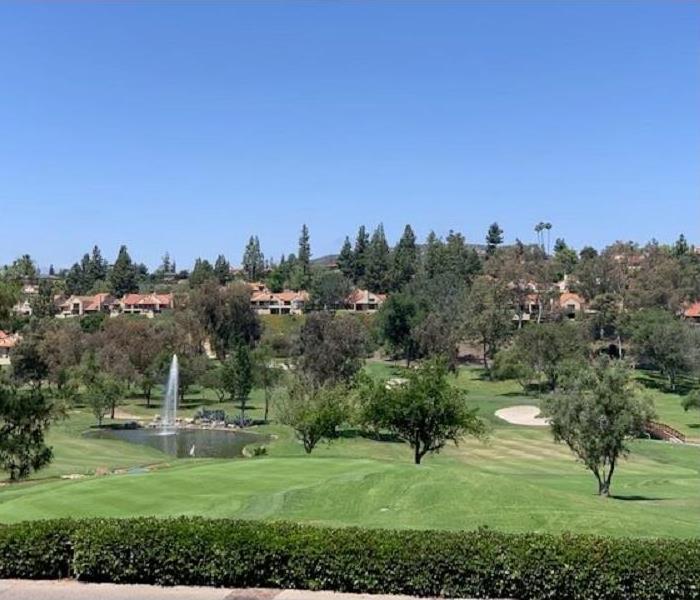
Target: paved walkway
pixel 66 589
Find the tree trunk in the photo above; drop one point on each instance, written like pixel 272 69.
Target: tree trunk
pixel 417 456
pixel 417 452
pixel 267 403
pixel 114 405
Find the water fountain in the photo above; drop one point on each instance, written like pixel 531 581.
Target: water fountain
pixel 169 411
pixel 186 441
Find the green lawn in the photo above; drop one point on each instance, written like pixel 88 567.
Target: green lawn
pixel 519 480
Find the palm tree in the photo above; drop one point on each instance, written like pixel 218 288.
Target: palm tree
pixel 548 227
pixel 538 229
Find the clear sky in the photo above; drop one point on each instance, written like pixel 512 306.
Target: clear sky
pixel 187 126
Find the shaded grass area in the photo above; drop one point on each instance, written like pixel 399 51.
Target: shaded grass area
pixel 518 480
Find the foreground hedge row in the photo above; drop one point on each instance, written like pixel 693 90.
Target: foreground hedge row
pixel 196 551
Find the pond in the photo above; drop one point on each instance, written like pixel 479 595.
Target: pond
pixel 186 443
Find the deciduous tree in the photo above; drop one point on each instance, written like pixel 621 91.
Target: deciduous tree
pixel 314 412
pixel 596 415
pixel 426 412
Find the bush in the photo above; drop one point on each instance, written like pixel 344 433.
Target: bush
pixel 483 563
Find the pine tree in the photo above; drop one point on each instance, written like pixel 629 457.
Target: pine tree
pixel 96 267
pixel 360 255
pixel 460 260
pixel 86 271
pixel 304 253
pixel 405 259
pixel 123 279
pixel 377 265
pixel 434 263
pixel 345 261
pixel 253 260
pixel 201 272
pixel 166 266
pixel 494 238
pixel 259 259
pixel 222 269
pixel 75 280
pixel 681 247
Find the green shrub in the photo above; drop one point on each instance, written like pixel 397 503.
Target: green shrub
pixel 483 563
pixel 36 550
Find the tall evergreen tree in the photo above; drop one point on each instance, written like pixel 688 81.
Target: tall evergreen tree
pixel 304 253
pixel 360 255
pixel 167 265
pixel 123 279
pixel 86 271
pixel 346 260
pixel 96 267
pixel 377 271
pixel 75 280
pixel 222 269
pixel 434 263
pixel 201 272
pixel 405 259
pixel 681 247
pixel 494 238
pixel 460 260
pixel 253 259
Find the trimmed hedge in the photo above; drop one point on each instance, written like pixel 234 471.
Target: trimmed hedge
pixel 483 563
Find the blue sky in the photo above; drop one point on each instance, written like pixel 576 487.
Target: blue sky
pixel 189 126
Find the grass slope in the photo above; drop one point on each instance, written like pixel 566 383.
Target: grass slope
pixel 518 481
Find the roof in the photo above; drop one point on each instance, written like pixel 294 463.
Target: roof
pixel 365 297
pixel 285 296
pixel 693 311
pixel 570 297
pixel 89 302
pixel 148 299
pixel 8 340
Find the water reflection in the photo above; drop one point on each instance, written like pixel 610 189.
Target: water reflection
pixel 186 443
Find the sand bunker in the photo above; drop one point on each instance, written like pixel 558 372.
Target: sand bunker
pixel 522 415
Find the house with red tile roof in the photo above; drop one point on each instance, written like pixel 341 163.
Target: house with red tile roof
pixel 571 304
pixel 692 312
pixel 364 301
pixel 7 342
pixel 279 303
pixel 146 304
pixel 78 306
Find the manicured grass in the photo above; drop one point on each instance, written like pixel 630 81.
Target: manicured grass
pixel 518 480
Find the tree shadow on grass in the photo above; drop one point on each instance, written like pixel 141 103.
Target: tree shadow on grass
pixel 656 381
pixel 369 435
pixel 636 498
pixel 519 394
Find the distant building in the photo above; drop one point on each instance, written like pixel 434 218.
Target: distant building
pixel 145 304
pixel 571 304
pixel 78 306
pixel 287 302
pixel 692 312
pixel 23 308
pixel 7 342
pixel 364 301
